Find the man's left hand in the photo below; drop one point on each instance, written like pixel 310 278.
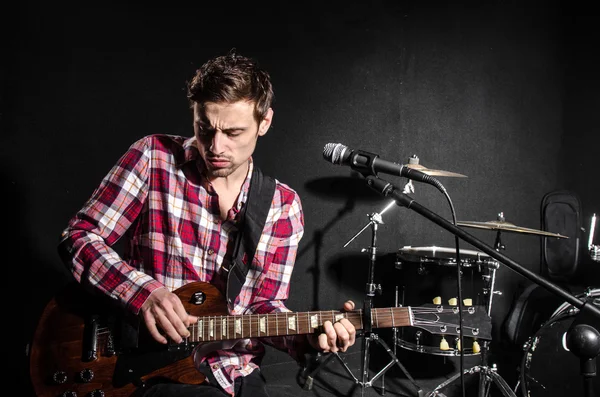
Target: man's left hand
pixel 338 336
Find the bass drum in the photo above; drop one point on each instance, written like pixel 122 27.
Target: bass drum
pixel 548 369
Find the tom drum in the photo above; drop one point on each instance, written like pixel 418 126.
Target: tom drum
pixel 427 273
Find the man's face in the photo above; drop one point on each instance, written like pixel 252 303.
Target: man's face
pixel 227 135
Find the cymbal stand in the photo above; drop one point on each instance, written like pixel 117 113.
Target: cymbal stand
pixel 367 334
pixel 487 374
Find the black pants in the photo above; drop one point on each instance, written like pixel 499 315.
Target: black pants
pixel 253 385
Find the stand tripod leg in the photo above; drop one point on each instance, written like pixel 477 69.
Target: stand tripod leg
pixel 310 377
pixel 486 374
pixel 397 362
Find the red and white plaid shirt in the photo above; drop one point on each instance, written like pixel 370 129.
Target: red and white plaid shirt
pixel 157 199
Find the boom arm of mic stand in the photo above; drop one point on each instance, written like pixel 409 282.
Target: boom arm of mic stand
pixel 387 189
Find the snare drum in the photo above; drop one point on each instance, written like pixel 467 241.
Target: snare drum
pixel 430 272
pixel 549 369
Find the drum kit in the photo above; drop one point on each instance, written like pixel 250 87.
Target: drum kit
pixel 428 270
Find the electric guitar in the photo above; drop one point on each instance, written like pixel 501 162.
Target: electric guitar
pixel 86 346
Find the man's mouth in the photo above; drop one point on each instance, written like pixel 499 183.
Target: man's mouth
pixel 218 162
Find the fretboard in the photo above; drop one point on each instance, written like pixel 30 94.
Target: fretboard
pixel 216 328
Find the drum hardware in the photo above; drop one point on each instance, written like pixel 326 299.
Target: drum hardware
pixel 491 375
pixel 367 334
pixel 594 250
pixel 413 162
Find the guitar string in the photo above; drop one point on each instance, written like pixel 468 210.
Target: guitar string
pixel 303 320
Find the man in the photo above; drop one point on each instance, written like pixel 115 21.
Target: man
pixel 177 203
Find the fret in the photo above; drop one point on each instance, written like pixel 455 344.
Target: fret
pixel 276 323
pixel 393 318
pixel 308 328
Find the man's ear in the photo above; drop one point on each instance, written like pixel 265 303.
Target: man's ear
pixel 265 122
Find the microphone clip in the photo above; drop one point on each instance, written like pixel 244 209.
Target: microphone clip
pixel 363 162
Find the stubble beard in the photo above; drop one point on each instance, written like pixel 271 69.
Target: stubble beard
pixel 219 172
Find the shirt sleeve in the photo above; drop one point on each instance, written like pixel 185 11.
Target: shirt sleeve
pixel 271 282
pixel 86 243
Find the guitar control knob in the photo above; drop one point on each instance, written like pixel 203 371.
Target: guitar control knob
pixel 59 377
pixel 476 347
pixel 198 298
pixel 96 393
pixel 468 302
pixel 86 375
pixel 452 301
pixel 437 300
pixel 69 394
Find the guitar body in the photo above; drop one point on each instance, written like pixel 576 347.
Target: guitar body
pixel 75 323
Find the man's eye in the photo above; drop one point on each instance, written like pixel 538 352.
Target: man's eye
pixel 205 132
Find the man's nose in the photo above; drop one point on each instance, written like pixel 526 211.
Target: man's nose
pixel 217 143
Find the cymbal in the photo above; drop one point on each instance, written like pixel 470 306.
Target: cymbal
pixel 507 226
pixel 428 171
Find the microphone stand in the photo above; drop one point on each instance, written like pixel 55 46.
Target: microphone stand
pixel 367 333
pixel 583 338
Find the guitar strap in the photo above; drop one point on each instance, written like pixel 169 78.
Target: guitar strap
pixel 252 222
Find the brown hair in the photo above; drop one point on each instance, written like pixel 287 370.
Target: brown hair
pixel 231 78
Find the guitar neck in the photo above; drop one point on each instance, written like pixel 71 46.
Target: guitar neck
pixel 216 328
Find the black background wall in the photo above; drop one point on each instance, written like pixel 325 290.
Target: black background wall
pixel 503 92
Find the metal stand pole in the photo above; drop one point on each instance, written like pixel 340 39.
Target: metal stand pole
pixel 367 335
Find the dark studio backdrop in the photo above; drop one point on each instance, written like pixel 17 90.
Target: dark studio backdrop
pixel 504 92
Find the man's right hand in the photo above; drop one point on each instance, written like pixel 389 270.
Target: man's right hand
pixel 164 311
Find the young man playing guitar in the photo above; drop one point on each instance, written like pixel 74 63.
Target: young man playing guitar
pixel 178 203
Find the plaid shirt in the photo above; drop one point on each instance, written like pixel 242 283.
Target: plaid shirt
pixel 156 197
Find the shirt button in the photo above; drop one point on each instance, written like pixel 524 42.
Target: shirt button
pixel 211 251
pixel 216 221
pixel 215 366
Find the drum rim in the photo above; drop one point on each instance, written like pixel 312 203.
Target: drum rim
pixel 565 305
pixel 447 250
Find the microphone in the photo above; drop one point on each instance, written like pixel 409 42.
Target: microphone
pixel 370 163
